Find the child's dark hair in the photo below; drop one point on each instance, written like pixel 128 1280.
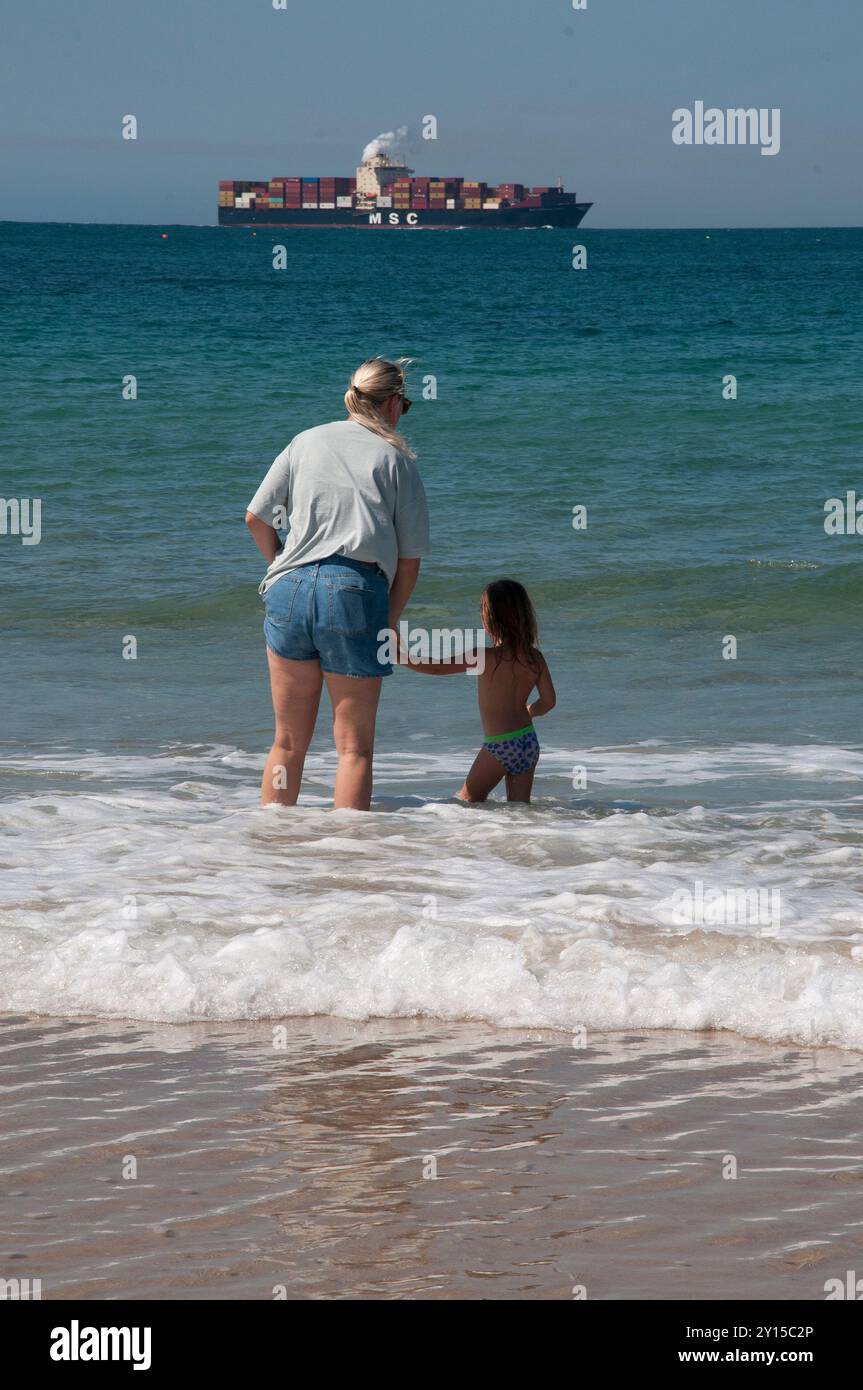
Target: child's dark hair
pixel 510 618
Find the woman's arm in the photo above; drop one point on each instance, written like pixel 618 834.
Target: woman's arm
pixel 443 667
pixel 404 584
pixel 547 697
pixel 266 537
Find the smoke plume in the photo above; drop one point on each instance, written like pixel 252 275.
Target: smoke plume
pixel 385 143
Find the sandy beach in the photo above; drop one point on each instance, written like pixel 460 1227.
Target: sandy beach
pixel 303 1160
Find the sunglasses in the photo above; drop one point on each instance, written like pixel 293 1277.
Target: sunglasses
pixel 406 405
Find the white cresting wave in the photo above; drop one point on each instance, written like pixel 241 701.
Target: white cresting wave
pixel 154 888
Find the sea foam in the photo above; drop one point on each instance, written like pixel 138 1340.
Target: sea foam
pixel 154 888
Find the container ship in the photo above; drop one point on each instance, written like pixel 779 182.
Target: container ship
pixel 385 193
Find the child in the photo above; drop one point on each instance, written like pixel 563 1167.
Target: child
pixel 513 668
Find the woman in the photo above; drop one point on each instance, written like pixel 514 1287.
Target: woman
pixel 354 505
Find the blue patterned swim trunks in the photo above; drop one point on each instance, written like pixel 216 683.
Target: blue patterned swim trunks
pixel 516 752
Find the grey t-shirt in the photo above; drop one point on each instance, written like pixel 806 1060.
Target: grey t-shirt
pixel 344 491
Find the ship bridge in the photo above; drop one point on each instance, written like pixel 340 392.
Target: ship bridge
pixel 376 175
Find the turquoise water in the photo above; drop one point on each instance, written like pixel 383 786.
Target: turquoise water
pixel 555 388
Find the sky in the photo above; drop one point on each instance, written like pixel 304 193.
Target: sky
pixel 522 90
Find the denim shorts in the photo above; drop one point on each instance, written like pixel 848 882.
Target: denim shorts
pixel 330 611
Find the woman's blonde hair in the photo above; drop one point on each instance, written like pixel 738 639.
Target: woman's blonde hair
pixel 372 384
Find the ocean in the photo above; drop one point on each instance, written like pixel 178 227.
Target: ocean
pixel 693 858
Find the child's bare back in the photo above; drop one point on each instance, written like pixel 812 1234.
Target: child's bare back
pixel 504 687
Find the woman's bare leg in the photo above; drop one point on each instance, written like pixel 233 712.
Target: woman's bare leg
pixel 483 777
pixel 296 688
pixel 519 785
pixel 355 706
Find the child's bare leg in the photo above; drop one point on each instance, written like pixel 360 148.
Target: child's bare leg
pixel 519 785
pixel 482 778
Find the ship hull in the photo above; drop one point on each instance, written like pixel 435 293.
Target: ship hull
pixel 568 215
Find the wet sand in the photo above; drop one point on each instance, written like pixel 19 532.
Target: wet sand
pixel 308 1166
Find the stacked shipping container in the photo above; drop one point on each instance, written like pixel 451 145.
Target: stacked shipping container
pixel 404 193
pixel 437 193
pixel 473 193
pixel 513 192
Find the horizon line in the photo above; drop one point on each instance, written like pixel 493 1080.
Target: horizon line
pixel 707 227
